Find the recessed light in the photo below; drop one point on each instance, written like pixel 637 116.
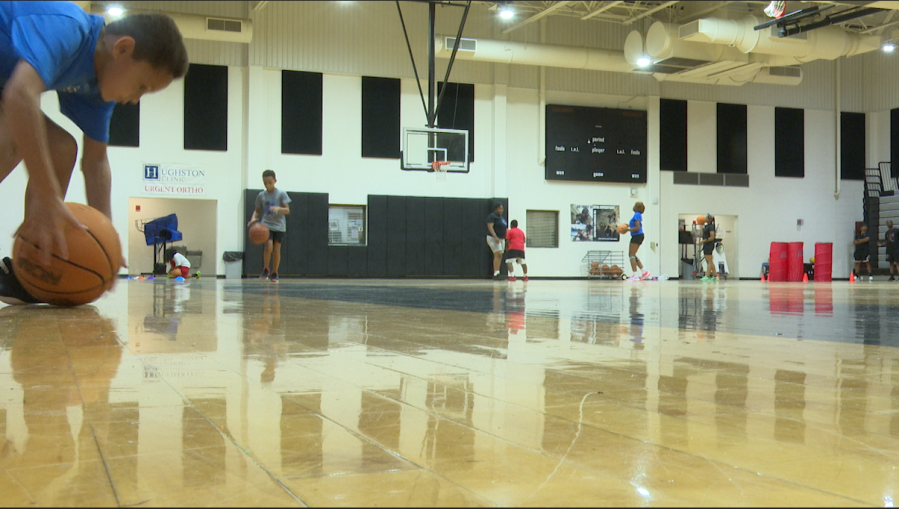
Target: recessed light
pixel 889 47
pixel 643 61
pixel 114 11
pixel 506 13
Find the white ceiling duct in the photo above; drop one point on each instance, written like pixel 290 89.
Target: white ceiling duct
pixel 827 43
pixel 509 52
pixel 204 28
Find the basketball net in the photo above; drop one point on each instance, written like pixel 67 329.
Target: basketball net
pixel 775 9
pixel 439 168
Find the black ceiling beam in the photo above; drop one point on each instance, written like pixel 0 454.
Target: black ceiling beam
pixel 828 20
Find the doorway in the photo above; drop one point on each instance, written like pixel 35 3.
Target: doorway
pixel 197 222
pixel 726 232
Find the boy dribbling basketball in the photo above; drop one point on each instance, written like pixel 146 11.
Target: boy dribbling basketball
pixel 58 46
pixel 272 207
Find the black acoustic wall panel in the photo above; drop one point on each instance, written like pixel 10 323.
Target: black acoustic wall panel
pixel 432 238
pixel 396 236
pixel 377 235
pixel 252 255
pixel 673 135
pixel 789 142
pixel 299 236
pixel 894 142
pixel 301 112
pixel 357 261
pixel 206 107
pixel 124 126
pixel 452 236
pixel 852 146
pixel 456 111
pixel 318 226
pixel 731 127
pixel 338 260
pixel 416 230
pixel 380 117
pixel 474 236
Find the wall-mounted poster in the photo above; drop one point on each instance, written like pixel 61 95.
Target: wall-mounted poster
pixel 594 223
pixel 605 217
pixel 581 223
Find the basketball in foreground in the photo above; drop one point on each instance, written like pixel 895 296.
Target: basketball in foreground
pixel 258 233
pixel 623 228
pixel 94 258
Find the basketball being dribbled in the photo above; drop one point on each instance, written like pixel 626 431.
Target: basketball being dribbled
pixel 258 233
pixel 623 228
pixel 94 258
pixel 700 220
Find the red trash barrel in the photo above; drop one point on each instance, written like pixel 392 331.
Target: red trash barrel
pixel 794 262
pixel 777 262
pixel 823 261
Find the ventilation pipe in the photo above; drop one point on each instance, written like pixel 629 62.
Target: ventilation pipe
pixel 204 28
pixel 837 128
pixel 510 52
pixel 827 43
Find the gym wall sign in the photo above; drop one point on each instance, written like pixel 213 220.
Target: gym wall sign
pixel 173 180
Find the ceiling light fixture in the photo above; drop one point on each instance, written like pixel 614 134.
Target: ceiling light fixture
pixel 114 11
pixel 506 12
pixel 643 61
pixel 889 47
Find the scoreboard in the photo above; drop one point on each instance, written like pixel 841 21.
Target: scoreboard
pixel 595 144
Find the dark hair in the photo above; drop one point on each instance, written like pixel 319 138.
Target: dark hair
pixel 497 205
pixel 514 223
pixel 639 207
pixel 170 253
pixel 269 173
pixel 157 41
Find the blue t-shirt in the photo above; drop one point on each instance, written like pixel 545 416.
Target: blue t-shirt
pixel 58 39
pixel 499 225
pixel 633 222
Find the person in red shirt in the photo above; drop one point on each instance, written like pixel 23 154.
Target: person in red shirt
pixel 515 238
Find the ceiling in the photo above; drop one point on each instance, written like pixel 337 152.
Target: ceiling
pixel 679 12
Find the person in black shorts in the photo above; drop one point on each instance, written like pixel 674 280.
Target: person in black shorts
pixel 708 248
pixel 863 251
pixel 891 241
pixel 496 237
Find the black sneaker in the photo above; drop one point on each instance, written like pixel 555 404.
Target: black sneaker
pixel 264 275
pixel 274 277
pixel 11 291
pixel 499 277
pixel 892 278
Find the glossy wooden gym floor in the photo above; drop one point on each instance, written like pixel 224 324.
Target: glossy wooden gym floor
pixel 454 393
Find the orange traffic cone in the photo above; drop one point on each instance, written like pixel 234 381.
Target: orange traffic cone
pixel 852 276
pixel 805 277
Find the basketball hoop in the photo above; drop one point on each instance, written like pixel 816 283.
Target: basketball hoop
pixel 775 9
pixel 439 167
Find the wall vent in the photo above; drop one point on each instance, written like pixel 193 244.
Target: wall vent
pixel 792 71
pixel 688 29
pixel 224 25
pixel 465 44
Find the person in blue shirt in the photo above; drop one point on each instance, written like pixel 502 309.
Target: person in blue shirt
pixel 635 226
pixel 91 66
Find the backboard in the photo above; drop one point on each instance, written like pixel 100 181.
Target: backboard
pixel 424 145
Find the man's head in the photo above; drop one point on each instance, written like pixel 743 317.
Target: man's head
pixel 864 228
pixel 514 223
pixel 889 224
pixel 498 209
pixel 137 55
pixel 268 179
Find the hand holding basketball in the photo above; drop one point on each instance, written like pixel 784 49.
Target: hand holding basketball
pixel 44 226
pixel 94 257
pixel 623 228
pixel 258 233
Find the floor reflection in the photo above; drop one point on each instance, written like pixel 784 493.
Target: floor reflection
pixel 452 393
